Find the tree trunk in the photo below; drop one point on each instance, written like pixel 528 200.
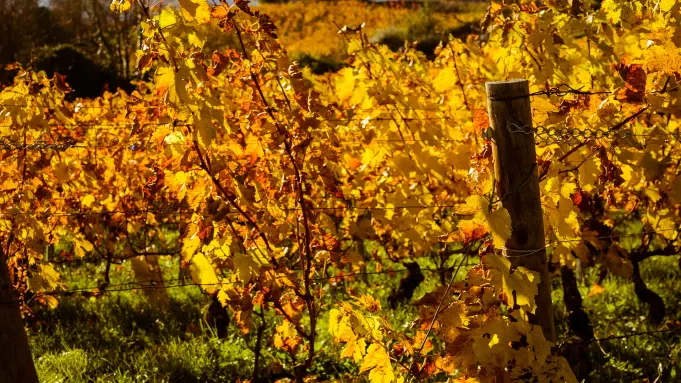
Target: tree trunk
pixel 576 352
pixel 656 306
pixel 16 362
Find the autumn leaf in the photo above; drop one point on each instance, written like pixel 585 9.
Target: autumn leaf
pixel 249 264
pixel 196 10
pixel 120 6
pixel 370 303
pixel 203 273
pixel 519 286
pixel 144 62
pixel 595 290
pixel 377 362
pixel 455 315
pixel 190 245
pixel 355 349
pixel 243 5
pixel 480 120
pixel 88 200
pixel 44 278
pixel 635 81
pixel 266 25
pixel 167 18
pixel 286 337
pixel 498 222
pixel 339 327
pixel 491 347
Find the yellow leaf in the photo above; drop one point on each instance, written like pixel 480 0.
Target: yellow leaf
pixel 667 228
pixel 494 340
pixel 189 246
pixel 445 80
pixel 613 10
pixel 245 264
pixel 167 18
pixel 119 6
pixel 88 200
pixel 203 273
pixel 45 278
pixel 339 327
pixel 174 138
pixel 494 350
pixel 147 270
pixel 522 281
pixel 355 349
pixel 80 246
pixel 473 204
pixel 455 315
pixel 370 303
pixel 378 361
pixel 286 337
pixel 498 223
pixel 171 85
pixel 8 184
pixel 51 301
pixel 345 84
pixel 195 40
pixel 206 131
pixel 195 10
pixel 667 5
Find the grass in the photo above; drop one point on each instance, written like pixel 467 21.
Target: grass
pixel 122 338
pixel 617 311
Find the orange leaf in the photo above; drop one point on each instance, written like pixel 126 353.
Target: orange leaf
pixel 596 289
pixel 480 120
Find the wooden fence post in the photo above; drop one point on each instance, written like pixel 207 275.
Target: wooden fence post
pixel 517 186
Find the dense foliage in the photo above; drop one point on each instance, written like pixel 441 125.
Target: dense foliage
pixel 283 185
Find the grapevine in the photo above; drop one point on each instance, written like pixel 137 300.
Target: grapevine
pixel 277 180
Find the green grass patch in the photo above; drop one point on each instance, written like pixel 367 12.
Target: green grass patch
pixel 120 337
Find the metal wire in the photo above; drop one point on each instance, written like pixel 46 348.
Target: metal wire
pixel 552 134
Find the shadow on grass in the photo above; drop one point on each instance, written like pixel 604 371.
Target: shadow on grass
pixel 617 311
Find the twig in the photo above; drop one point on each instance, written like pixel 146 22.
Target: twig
pixel 171 51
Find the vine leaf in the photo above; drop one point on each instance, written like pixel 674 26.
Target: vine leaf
pixel 248 264
pixel 378 361
pixel 497 223
pixel 243 5
pixel 203 273
pixel 167 19
pixel 519 286
pixel 286 337
pixel 195 10
pixel 120 6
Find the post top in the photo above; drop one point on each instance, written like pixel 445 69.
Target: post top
pixel 507 89
pixel 511 81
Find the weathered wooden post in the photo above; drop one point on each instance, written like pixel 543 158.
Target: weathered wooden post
pixel 517 185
